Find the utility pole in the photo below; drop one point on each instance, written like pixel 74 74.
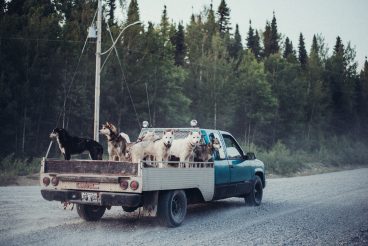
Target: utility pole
pixel 98 73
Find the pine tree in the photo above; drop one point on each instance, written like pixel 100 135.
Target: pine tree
pixel 210 28
pixel 180 47
pixel 288 48
pixel 303 58
pixel 267 40
pixel 236 47
pixel 223 16
pixel 253 42
pixel 274 36
pixel 164 24
pixel 314 48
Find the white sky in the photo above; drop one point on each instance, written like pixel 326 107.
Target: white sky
pixel 348 19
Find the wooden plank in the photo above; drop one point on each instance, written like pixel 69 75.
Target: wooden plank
pixel 90 166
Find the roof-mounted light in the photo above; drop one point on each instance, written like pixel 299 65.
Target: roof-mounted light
pixel 193 123
pixel 145 124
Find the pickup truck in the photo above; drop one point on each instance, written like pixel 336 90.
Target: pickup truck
pixel 95 185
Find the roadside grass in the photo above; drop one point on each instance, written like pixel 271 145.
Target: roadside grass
pixel 336 154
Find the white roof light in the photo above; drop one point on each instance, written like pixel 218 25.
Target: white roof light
pixel 145 124
pixel 193 123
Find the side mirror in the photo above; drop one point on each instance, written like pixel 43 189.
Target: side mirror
pixel 250 156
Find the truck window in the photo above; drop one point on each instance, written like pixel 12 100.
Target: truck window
pixel 232 148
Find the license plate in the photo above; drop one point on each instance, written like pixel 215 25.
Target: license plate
pixel 90 197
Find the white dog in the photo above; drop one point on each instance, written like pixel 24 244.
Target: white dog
pixel 183 148
pixel 158 148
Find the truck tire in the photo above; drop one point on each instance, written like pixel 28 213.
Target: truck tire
pixel 254 198
pixel 90 212
pixel 172 207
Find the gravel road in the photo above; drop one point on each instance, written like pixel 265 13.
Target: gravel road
pixel 326 209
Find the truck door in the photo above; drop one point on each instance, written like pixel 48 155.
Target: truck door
pixel 222 170
pixel 240 169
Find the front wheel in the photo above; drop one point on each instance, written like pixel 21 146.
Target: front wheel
pixel 90 212
pixel 172 207
pixel 254 198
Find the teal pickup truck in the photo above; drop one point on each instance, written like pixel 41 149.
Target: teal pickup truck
pixel 95 185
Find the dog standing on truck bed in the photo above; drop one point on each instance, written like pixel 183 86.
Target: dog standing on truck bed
pixel 116 143
pixel 70 145
pixel 183 148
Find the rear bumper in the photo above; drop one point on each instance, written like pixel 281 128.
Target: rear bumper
pixel 106 198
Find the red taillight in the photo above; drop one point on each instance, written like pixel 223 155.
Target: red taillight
pixel 134 185
pixel 46 181
pixel 55 181
pixel 124 184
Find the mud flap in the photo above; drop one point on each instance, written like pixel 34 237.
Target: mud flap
pixel 150 200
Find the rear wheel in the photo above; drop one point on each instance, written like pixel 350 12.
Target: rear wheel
pixel 172 207
pixel 254 198
pixel 90 212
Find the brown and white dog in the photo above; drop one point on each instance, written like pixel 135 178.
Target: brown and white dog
pixel 116 143
pixel 204 152
pixel 158 148
pixel 183 148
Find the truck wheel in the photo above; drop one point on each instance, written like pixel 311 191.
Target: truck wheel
pixel 254 198
pixel 90 212
pixel 172 207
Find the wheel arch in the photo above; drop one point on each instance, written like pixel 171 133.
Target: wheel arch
pixel 261 175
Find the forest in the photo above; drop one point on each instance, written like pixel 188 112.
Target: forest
pixel 289 103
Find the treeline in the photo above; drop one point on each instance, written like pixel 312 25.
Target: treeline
pixel 265 91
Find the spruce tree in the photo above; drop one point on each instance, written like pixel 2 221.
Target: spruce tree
pixel 303 58
pixel 288 48
pixel 250 37
pixel 236 47
pixel 253 42
pixel 267 40
pixel 314 48
pixel 210 27
pixel 180 47
pixel 257 50
pixel 274 42
pixel 223 16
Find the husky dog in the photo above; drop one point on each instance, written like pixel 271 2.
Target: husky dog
pixel 158 148
pixel 70 145
pixel 116 143
pixel 183 148
pixel 204 152
pixel 147 136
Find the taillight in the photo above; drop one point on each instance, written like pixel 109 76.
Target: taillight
pixel 55 181
pixel 124 184
pixel 46 181
pixel 134 185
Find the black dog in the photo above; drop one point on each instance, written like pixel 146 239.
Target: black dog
pixel 70 145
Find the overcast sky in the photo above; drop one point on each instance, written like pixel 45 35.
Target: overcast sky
pixel 331 18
